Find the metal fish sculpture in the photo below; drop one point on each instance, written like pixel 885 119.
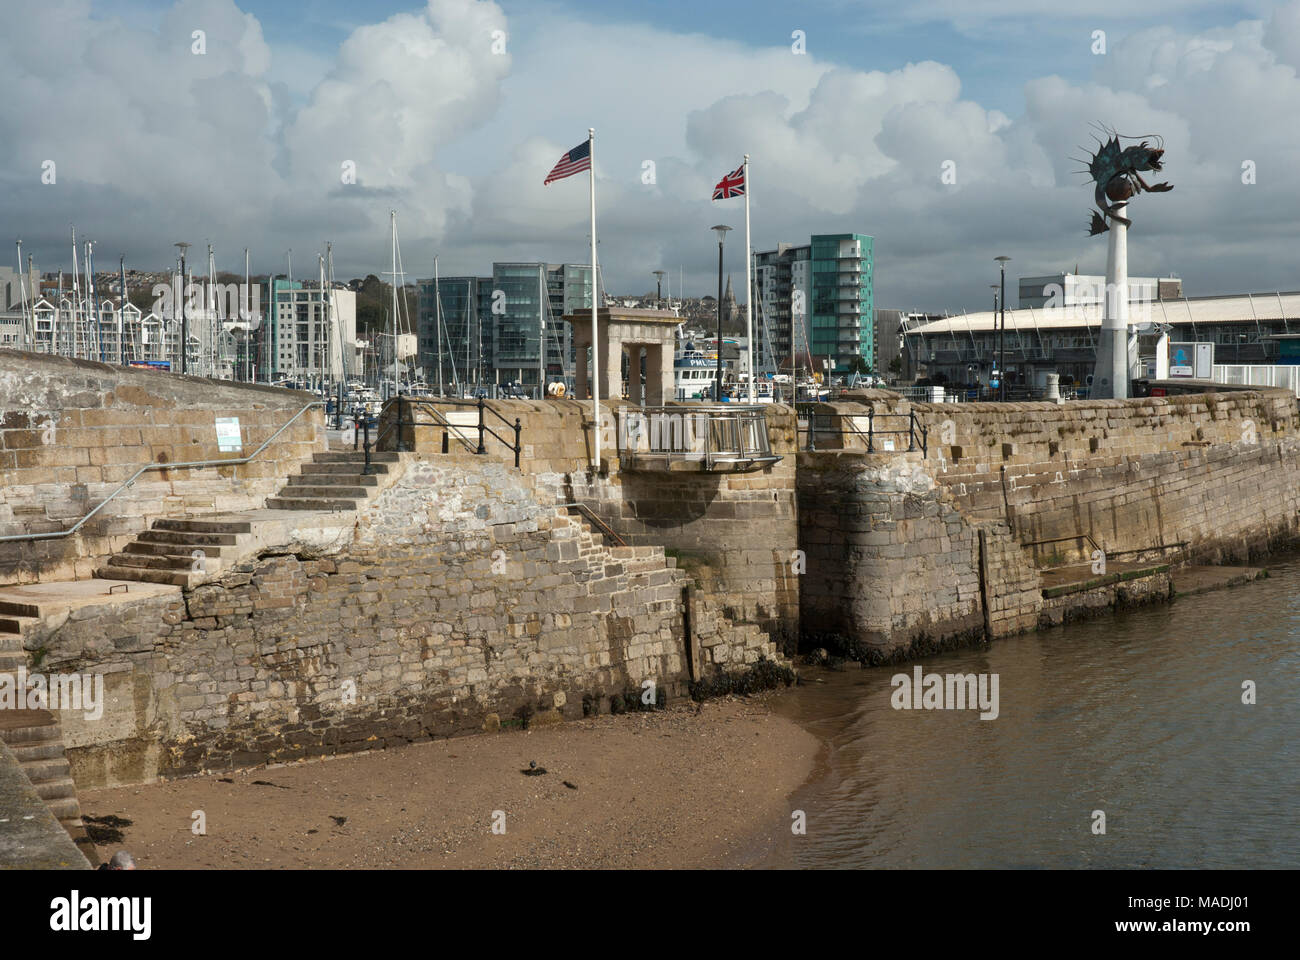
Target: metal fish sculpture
pixel 1117 173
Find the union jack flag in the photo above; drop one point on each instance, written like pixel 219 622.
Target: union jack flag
pixel 732 185
pixel 574 161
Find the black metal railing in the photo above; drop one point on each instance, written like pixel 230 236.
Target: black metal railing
pixel 481 427
pixel 814 423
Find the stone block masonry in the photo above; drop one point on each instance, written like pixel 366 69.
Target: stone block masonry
pixel 736 533
pixel 72 431
pixel 465 600
pixel 907 551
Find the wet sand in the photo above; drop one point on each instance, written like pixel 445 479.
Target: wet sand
pixel 679 788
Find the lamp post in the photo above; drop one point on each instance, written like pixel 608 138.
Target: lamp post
pixel 994 364
pixel 721 230
pixel 1002 329
pixel 659 288
pixel 185 325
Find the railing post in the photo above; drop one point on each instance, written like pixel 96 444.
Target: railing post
pixel 356 436
pixel 871 430
pixel 812 430
pixel 911 431
pixel 481 405
pixel 518 446
pixel 366 468
pixel 925 438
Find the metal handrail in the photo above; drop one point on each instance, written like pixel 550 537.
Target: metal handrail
pixel 918 434
pixel 59 534
pixel 730 418
pixel 482 427
pixel 1077 536
pixel 599 523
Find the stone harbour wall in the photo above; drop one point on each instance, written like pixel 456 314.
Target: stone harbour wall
pixel 464 602
pixel 735 533
pixel 895 541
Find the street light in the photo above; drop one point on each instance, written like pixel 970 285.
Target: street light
pixel 659 287
pixel 185 326
pixel 721 230
pixel 994 365
pixel 1002 330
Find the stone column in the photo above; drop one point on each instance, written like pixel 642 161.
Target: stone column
pixel 581 385
pixel 637 392
pixel 613 372
pixel 658 376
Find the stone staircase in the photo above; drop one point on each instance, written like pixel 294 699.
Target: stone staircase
pixel 720 643
pixel 333 481
pixel 34 736
pixel 189 551
pixel 183 552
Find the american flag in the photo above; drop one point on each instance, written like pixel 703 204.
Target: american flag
pixel 732 185
pixel 575 161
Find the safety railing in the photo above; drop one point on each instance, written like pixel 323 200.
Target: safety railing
pixel 189 464
pixel 481 427
pixel 877 439
pixel 596 522
pixel 711 435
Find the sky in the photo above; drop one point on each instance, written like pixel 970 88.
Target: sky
pixel 948 130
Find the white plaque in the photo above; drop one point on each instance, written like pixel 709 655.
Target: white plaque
pixel 228 438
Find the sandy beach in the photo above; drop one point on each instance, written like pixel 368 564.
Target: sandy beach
pixel 688 787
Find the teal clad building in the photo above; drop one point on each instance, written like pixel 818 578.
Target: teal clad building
pixel 819 299
pixel 843 314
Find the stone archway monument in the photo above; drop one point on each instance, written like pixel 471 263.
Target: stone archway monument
pixel 634 332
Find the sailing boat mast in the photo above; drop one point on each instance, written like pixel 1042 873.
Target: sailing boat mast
pixel 392 214
pixel 437 322
pixel 541 331
pixel 22 294
pixel 337 330
pixel 246 314
pixel 76 295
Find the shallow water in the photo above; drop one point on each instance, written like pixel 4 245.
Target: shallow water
pixel 1139 715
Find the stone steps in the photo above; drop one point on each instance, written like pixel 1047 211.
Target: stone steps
pixel 36 741
pixel 310 503
pixel 214 525
pixel 334 478
pixel 176 578
pixel 168 552
pixel 173 549
pixel 19 609
pixel 356 456
pixel 188 538
pixel 333 482
pixel 303 491
pixel 165 553
pixel 11 660
pixel 316 469
pixel 12 624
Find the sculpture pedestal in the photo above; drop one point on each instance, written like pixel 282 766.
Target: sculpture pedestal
pixel 1110 376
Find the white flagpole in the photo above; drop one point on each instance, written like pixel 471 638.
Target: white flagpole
pixel 595 308
pixel 749 288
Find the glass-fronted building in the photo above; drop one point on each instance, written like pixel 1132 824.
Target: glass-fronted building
pixel 465 352
pixel 843 316
pixel 818 301
pixel 493 326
